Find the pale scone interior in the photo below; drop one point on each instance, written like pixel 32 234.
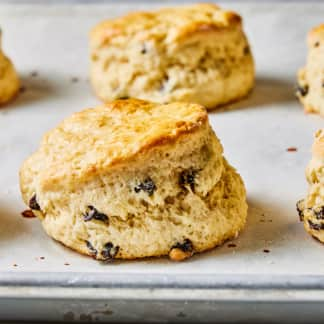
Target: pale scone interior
pixel 139 182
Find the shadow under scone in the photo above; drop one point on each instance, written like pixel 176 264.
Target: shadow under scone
pixel 267 91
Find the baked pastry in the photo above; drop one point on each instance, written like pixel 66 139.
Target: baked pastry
pixel 311 209
pixel 195 53
pixel 310 88
pixel 133 179
pixel 9 81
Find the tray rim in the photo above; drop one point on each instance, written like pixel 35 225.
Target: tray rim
pixel 285 288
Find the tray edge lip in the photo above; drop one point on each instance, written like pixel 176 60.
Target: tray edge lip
pixel 94 280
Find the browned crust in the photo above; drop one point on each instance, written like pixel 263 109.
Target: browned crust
pixel 317 29
pixel 198 28
pixel 103 32
pixel 163 140
pixel 11 68
pixel 92 169
pixel 13 97
pixel 182 130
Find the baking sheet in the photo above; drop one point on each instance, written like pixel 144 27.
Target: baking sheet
pixel 49 45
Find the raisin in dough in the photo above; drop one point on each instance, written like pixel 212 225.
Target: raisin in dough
pixel 196 53
pixel 133 179
pixel 310 89
pixel 9 82
pixel 311 209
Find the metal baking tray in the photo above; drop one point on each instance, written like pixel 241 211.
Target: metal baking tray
pixel 275 271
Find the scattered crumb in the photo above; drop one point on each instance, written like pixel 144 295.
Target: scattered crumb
pixel 66 264
pixel 74 80
pixel 42 258
pixel 262 220
pixel 292 149
pixel 266 251
pixel 22 89
pixel 28 213
pixel 15 265
pixel 231 245
pixel 34 74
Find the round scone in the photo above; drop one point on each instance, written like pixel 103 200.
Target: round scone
pixel 196 53
pixel 133 179
pixel 310 88
pixel 9 81
pixel 311 209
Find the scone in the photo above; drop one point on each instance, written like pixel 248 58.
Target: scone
pixel 310 89
pixel 134 179
pixel 311 209
pixel 196 53
pixel 9 81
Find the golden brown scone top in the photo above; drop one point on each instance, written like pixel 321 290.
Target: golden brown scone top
pixel 168 24
pixel 316 36
pixel 91 141
pixel 318 146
